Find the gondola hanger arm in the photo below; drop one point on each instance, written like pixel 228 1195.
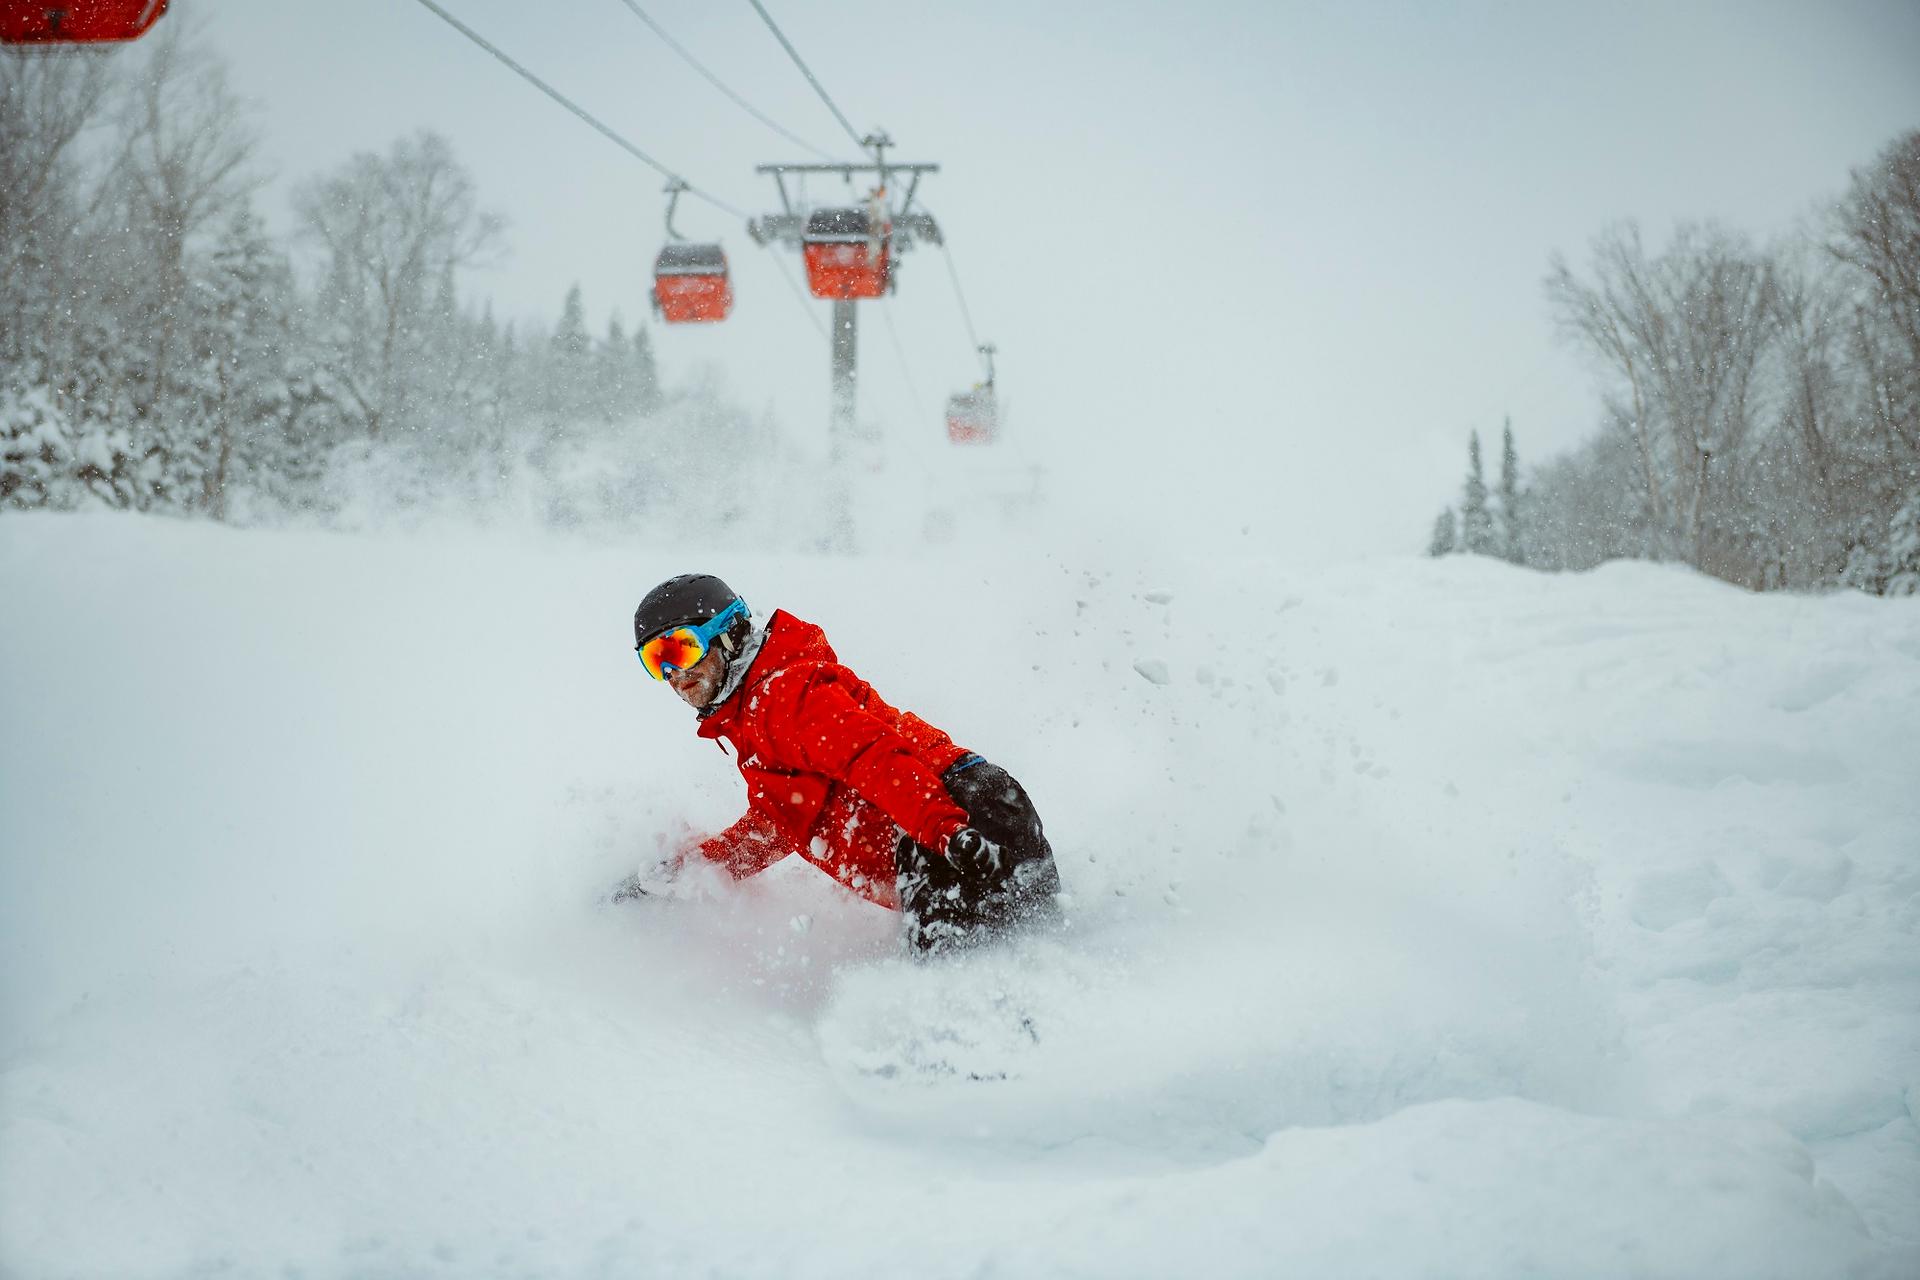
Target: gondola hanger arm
pixel 673 190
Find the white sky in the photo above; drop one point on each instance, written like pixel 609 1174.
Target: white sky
pixel 1247 264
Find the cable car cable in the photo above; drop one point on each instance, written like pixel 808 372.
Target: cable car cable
pixel 906 370
pixel 568 103
pixel 800 297
pixel 717 83
pixel 966 313
pixel 953 274
pixel 793 53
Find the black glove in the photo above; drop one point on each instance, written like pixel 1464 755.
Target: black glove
pixel 974 854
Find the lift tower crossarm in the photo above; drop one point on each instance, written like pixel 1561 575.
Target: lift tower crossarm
pixel 786 226
pixel 847 170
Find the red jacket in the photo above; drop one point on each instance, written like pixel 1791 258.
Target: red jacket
pixel 831 768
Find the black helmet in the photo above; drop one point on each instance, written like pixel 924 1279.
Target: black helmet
pixel 689 599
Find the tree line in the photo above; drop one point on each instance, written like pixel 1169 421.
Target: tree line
pixel 160 351
pixel 1761 414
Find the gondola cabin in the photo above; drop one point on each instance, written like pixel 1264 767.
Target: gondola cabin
pixel 973 417
pixel 691 284
pixel 847 255
pixel 58 22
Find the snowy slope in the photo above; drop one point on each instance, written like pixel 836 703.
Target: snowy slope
pixel 1429 919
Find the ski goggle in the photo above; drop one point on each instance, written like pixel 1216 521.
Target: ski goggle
pixel 680 648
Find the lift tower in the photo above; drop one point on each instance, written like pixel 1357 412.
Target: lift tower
pixel 849 255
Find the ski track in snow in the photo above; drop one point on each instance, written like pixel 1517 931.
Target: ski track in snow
pixel 1428 918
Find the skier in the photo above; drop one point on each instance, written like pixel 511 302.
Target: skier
pixel 878 798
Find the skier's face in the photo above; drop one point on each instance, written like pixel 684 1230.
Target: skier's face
pixel 699 683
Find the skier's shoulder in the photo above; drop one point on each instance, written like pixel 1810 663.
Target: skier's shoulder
pixel 795 661
pixel 793 648
pixel 790 636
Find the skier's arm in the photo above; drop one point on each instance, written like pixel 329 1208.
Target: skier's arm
pixel 748 847
pixel 827 732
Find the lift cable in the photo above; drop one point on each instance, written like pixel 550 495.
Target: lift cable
pixel 717 83
pixel 795 55
pixel 801 298
pixel 566 102
pixel 906 370
pixel 966 313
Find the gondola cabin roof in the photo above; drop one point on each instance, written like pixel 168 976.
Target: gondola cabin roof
pixel 843 225
pixel 683 259
pixel 58 22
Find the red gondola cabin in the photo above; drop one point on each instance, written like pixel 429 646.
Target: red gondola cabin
pixel 56 22
pixel 690 283
pixel 973 417
pixel 847 255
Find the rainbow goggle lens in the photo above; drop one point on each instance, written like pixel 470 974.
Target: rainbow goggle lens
pixel 680 648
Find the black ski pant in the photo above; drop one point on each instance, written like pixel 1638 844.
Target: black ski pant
pixel 942 906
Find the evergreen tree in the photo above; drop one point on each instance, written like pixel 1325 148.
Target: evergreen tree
pixel 94 384
pixel 242 396
pixel 492 370
pixel 612 373
pixel 36 450
pixel 445 362
pixel 1512 537
pixel 1891 568
pixel 645 380
pixel 510 379
pixel 569 362
pixel 1476 521
pixel 1901 557
pixel 1445 535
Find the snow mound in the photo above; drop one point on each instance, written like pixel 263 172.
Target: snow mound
pixel 968 1019
pixel 1432 918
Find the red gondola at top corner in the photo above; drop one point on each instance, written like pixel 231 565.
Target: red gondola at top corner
pixel 50 23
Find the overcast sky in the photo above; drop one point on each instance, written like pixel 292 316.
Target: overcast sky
pixel 1255 264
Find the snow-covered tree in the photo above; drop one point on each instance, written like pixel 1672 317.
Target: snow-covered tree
pixel 1878 224
pixel 158 353
pixel 1901 559
pixel 36 450
pixel 46 105
pixel 97 367
pixel 1477 535
pixel 246 396
pixel 1682 334
pixel 183 164
pixel 1890 565
pixel 394 229
pixel 1512 535
pixel 613 373
pixel 1445 537
pixel 570 363
pixel 645 379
